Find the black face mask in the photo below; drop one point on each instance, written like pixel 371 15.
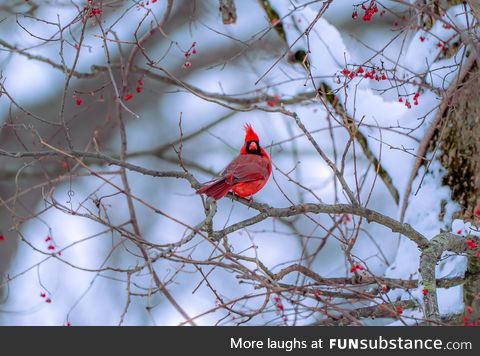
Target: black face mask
pixel 256 151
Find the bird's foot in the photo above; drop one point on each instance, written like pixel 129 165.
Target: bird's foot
pixel 250 202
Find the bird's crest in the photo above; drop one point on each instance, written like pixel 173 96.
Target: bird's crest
pixel 250 135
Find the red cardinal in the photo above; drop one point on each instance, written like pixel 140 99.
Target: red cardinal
pixel 246 174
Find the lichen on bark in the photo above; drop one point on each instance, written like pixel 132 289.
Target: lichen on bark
pixel 459 143
pixel 460 148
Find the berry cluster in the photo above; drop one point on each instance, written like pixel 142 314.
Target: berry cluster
pixel 398 309
pixel 138 89
pixel 415 98
pixel 368 11
pixel 90 10
pixel 49 242
pixel 471 244
pixel 129 96
pixel 279 306
pixel 147 3
pixel 44 296
pixel 356 267
pixel 477 211
pixel 187 54
pixel 466 319
pixel 273 102
pixel 369 74
pixel 407 102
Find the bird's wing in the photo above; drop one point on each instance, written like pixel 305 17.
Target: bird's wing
pixel 247 168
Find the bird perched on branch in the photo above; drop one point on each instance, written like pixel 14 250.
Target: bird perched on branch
pixel 246 174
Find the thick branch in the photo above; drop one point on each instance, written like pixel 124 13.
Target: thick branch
pixel 369 215
pixel 442 242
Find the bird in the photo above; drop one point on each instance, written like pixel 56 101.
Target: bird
pixel 246 174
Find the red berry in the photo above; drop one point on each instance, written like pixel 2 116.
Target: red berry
pixel 78 101
pixel 471 244
pixel 477 210
pixel 128 97
pixel 399 309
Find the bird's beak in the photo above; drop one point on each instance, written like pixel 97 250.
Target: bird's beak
pixel 253 146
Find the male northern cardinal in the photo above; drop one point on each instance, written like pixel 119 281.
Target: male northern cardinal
pixel 246 174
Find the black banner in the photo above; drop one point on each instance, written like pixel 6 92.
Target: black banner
pixel 241 340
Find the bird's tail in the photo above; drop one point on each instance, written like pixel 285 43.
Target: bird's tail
pixel 217 189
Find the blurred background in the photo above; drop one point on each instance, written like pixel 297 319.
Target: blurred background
pixel 66 259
